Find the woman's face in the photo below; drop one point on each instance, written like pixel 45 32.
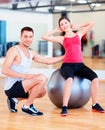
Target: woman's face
pixel 65 25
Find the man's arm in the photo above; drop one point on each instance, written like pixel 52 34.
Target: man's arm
pixel 44 60
pixel 9 59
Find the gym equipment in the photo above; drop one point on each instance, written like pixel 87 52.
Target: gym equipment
pixel 80 94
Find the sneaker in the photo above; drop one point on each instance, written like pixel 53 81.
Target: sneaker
pixel 97 108
pixel 36 111
pixel 64 111
pixel 11 105
pixel 31 110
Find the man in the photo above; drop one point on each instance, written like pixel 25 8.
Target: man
pixel 20 84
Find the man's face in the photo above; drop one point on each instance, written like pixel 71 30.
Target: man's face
pixel 27 38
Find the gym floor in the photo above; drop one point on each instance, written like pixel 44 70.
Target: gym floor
pixel 78 119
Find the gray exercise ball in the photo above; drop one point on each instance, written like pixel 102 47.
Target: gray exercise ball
pixel 80 94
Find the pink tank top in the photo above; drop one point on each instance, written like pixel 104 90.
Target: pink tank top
pixel 73 53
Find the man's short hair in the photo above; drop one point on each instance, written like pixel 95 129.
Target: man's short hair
pixel 27 29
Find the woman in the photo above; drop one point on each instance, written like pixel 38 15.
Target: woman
pixel 73 61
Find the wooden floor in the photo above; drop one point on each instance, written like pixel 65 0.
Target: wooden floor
pixel 78 119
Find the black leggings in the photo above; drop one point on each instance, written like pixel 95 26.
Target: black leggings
pixel 77 69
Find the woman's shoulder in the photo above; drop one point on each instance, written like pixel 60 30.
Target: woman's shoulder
pixel 79 34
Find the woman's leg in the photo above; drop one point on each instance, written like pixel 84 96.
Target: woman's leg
pixel 67 71
pixel 94 90
pixel 66 95
pixel 86 72
pixel 67 91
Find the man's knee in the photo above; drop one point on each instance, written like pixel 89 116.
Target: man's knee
pixel 43 78
pixel 42 92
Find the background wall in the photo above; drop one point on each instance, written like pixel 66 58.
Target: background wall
pixel 41 23
pixel 15 20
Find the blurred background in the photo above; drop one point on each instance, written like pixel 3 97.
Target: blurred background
pixel 42 16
